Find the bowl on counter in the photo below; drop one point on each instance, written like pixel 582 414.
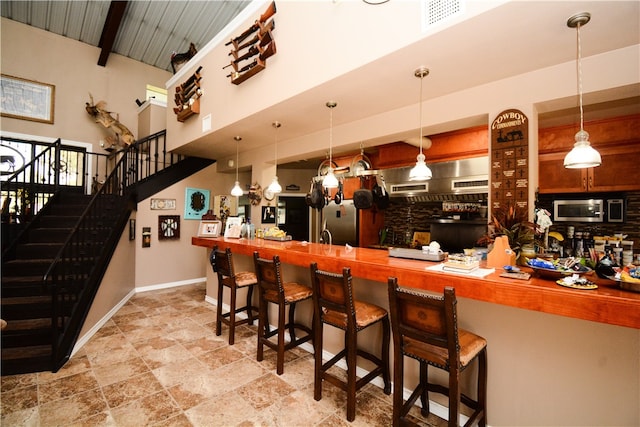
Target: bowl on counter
pixel 557 271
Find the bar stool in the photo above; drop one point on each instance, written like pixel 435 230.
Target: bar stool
pixel 272 289
pixel 222 264
pixel 334 305
pixel 425 328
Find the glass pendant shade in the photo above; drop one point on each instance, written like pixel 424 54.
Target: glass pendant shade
pixel 236 190
pixel 582 155
pixel 420 172
pixel 330 180
pixel 275 186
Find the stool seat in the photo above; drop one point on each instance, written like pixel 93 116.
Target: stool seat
pixel 470 345
pixel 293 292
pixel 366 314
pixel 246 278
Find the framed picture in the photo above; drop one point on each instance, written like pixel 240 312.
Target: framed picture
pixel 168 227
pixel 26 99
pixel 196 203
pixel 163 204
pixel 209 228
pixel 268 214
pixel 132 229
pixel 233 227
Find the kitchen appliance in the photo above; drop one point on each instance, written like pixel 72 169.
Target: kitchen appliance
pixel 454 180
pixel 587 210
pixel 342 222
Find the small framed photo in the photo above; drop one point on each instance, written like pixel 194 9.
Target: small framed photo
pixel 209 228
pixel 268 214
pixel 233 227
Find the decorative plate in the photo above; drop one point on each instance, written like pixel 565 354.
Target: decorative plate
pixel 555 274
pixel 579 283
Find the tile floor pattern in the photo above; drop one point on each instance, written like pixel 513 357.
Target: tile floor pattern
pixel 158 362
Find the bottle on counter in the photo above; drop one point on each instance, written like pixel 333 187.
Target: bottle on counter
pixel 251 229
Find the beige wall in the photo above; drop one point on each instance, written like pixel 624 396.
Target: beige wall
pixel 72 67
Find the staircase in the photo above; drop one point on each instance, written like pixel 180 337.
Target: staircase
pixel 27 302
pixel 52 271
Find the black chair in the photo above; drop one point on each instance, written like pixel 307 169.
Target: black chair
pixel 273 290
pixel 425 328
pixel 222 264
pixel 335 305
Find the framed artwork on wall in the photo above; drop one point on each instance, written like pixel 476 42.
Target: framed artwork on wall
pixel 168 227
pixel 268 214
pixel 196 203
pixel 26 99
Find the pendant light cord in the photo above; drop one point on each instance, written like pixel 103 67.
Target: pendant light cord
pixel 330 137
pixel 237 155
pixel 420 103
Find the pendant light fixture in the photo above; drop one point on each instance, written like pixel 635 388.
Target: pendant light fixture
pixel 420 172
pixel 237 190
pixel 582 155
pixel 275 186
pixel 330 180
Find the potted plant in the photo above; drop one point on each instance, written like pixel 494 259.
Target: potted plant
pixel 513 222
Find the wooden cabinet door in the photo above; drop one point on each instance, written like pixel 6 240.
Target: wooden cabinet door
pixel 553 177
pixel 620 169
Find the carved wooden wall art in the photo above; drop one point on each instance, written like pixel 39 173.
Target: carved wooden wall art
pixel 188 96
pixel 250 57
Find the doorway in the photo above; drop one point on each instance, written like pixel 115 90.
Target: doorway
pixel 295 220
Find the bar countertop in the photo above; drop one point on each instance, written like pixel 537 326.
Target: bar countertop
pixel 608 304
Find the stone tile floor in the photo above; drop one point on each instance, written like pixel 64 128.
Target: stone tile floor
pixel 158 362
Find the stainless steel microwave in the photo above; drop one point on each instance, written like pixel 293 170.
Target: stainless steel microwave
pixel 589 210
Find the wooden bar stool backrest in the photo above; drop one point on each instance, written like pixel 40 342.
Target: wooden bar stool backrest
pixel 269 274
pixel 334 304
pixel 425 328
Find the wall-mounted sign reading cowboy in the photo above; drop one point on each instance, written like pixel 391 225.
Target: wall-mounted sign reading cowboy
pixel 250 57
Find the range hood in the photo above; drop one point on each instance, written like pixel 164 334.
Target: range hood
pixel 462 180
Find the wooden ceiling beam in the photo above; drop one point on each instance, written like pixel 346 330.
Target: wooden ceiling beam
pixel 110 29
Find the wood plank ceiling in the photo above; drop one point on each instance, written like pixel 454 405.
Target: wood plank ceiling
pixel 144 30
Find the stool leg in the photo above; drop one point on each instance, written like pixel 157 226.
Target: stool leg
pixel 351 345
pixel 482 386
pixel 281 326
pixel 386 336
pixel 232 314
pixel 317 372
pixel 292 329
pixel 249 304
pixel 454 397
pixel 219 309
pixel 262 327
pixel 398 386
pixel 424 383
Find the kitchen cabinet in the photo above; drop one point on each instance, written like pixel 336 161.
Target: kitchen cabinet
pixel 617 141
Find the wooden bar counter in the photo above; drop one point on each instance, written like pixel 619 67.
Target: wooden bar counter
pixel 607 304
pixel 557 356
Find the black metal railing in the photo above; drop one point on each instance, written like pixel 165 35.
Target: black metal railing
pixel 152 156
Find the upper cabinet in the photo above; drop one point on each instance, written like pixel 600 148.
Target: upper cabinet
pixel 617 140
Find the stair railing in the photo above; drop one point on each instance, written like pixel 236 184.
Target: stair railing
pixel 75 273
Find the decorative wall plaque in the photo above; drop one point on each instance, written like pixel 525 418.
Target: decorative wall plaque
pixel 509 160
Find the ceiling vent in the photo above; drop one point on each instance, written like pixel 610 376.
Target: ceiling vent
pixel 470 185
pixel 435 11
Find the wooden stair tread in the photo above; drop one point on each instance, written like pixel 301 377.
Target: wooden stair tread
pixel 26 352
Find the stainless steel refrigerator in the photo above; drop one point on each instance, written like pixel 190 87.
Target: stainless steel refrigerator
pixel 342 222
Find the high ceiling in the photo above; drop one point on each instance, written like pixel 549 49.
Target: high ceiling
pixel 149 31
pixel 460 57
